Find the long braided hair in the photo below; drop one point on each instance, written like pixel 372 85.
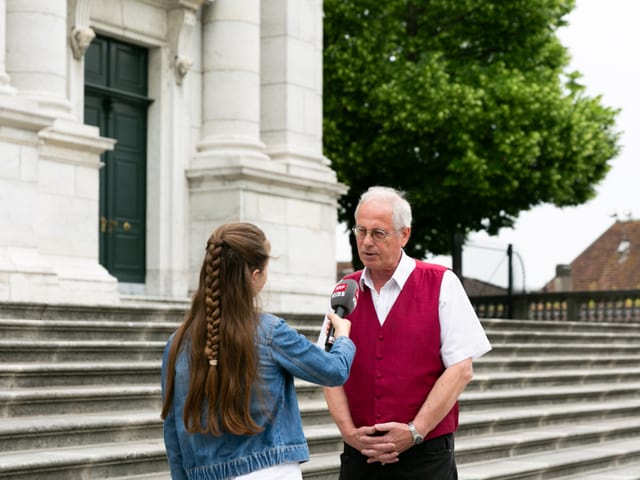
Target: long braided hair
pixel 221 330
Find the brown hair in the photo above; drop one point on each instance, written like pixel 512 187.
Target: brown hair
pixel 221 330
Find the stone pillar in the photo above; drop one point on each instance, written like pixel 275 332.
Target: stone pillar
pixel 254 91
pixel 37 52
pixel 4 78
pixel 291 128
pixel 231 84
pixel 49 163
pixel 292 86
pixel 176 91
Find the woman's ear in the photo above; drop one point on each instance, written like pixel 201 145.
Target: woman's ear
pixel 258 279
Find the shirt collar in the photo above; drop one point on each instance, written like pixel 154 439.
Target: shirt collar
pixel 400 275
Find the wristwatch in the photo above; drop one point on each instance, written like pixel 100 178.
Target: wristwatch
pixel 417 438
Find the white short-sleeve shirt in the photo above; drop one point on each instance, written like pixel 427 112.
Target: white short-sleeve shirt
pixel 284 471
pixel 461 334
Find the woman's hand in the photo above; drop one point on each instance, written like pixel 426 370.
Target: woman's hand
pixel 341 325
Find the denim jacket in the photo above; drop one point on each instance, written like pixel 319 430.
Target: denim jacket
pixel 283 355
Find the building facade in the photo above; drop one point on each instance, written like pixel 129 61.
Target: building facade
pixel 610 263
pixel 130 129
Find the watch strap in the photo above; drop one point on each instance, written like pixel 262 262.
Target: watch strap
pixel 417 438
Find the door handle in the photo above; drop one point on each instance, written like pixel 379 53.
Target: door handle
pixel 126 226
pixel 113 224
pixel 103 224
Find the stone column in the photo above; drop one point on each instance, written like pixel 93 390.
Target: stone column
pixel 4 78
pixel 37 52
pixel 291 127
pixel 262 80
pixel 50 165
pixel 292 86
pixel 231 83
pixel 176 90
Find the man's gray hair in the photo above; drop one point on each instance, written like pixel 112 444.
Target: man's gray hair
pixel 401 210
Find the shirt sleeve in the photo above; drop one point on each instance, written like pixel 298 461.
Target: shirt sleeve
pixel 461 334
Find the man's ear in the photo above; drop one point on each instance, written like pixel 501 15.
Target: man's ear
pixel 405 233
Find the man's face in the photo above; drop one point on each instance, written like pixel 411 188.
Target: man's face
pixel 381 256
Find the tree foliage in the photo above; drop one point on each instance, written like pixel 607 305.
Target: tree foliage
pixel 466 105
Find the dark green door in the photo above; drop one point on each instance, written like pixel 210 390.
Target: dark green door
pixel 116 101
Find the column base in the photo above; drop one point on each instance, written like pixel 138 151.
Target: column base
pixel 27 276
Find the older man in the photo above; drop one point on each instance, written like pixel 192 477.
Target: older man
pixel 416 335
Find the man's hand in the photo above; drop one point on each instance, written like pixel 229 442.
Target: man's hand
pixel 392 439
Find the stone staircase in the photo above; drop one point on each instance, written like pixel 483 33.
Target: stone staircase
pixel 80 398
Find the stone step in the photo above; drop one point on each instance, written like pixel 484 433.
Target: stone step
pixel 121 459
pixel 629 470
pixel 551 336
pixel 508 380
pixel 477 400
pixel 496 325
pixel 23 351
pixel 148 476
pixel 35 375
pixel 325 466
pixel 537 335
pixel 555 463
pixel 493 362
pixel 164 311
pixel 83 399
pixel 114 350
pixel 72 430
pixel 49 432
pixel 313 323
pixel 494 419
pixel 16 329
pixel 315 412
pixel 76 384
pixel 323 438
pixel 560 349
pixel 501 445
pixel 23 376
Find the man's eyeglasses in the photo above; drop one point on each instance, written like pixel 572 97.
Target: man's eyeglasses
pixel 377 234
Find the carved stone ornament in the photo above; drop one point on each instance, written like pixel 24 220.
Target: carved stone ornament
pixel 182 66
pixel 81 38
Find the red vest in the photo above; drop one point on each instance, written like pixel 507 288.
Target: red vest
pixel 397 364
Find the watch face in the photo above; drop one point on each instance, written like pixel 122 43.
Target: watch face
pixel 418 440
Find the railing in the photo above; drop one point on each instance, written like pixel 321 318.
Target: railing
pixel 610 306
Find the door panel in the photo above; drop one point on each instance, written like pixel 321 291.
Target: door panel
pixel 114 101
pixel 128 208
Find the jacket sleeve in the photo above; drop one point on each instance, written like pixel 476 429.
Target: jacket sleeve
pixel 306 360
pixel 171 443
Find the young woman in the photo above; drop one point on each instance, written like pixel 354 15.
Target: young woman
pixel 229 404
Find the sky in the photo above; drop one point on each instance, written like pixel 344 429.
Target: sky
pixel 603 39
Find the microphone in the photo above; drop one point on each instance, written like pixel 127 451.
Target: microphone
pixel 343 301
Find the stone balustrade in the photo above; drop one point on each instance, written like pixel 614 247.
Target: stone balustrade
pixel 589 306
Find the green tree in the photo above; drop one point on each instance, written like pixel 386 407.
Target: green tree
pixel 466 105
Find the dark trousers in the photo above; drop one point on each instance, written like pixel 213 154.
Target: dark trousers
pixel 433 459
